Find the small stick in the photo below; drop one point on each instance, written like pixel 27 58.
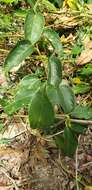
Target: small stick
pixel 3 170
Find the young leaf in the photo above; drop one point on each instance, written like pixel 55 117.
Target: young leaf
pixel 54 71
pixel 41 113
pixel 67 98
pixel 82 112
pixel 53 37
pixel 18 54
pixel 68 142
pixel 34 26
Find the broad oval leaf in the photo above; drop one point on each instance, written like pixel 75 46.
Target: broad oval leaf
pixel 21 50
pixel 34 26
pixel 82 112
pixel 67 98
pixel 53 37
pixel 67 142
pixel 70 142
pixel 26 90
pixel 54 71
pixel 52 94
pixel 41 113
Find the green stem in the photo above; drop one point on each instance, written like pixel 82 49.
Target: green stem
pixel 36 5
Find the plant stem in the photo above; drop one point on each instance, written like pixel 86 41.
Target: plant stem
pixel 80 121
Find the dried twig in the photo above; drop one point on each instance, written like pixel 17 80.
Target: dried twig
pixel 4 171
pixel 76 167
pixel 60 132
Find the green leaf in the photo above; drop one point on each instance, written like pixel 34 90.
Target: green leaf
pixel 52 94
pixel 82 112
pixel 34 26
pixel 76 50
pixel 41 113
pixel 81 88
pixel 8 1
pixel 54 71
pixel 20 13
pixel 68 142
pixel 49 5
pixel 87 70
pixel 67 98
pixel 53 37
pixel 78 128
pixel 26 90
pixel 18 54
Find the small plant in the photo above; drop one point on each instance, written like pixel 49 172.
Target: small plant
pixel 48 99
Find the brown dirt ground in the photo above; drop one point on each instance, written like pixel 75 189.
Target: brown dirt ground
pixel 31 163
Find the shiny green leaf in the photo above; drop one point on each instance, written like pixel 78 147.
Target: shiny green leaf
pixel 41 113
pixel 54 71
pixel 52 94
pixel 82 112
pixel 26 89
pixel 67 142
pixel 67 98
pixel 53 37
pixel 34 26
pixel 21 50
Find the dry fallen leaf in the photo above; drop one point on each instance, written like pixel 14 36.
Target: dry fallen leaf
pixel 88 188
pixel 85 57
pixel 87 42
pixel 2 78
